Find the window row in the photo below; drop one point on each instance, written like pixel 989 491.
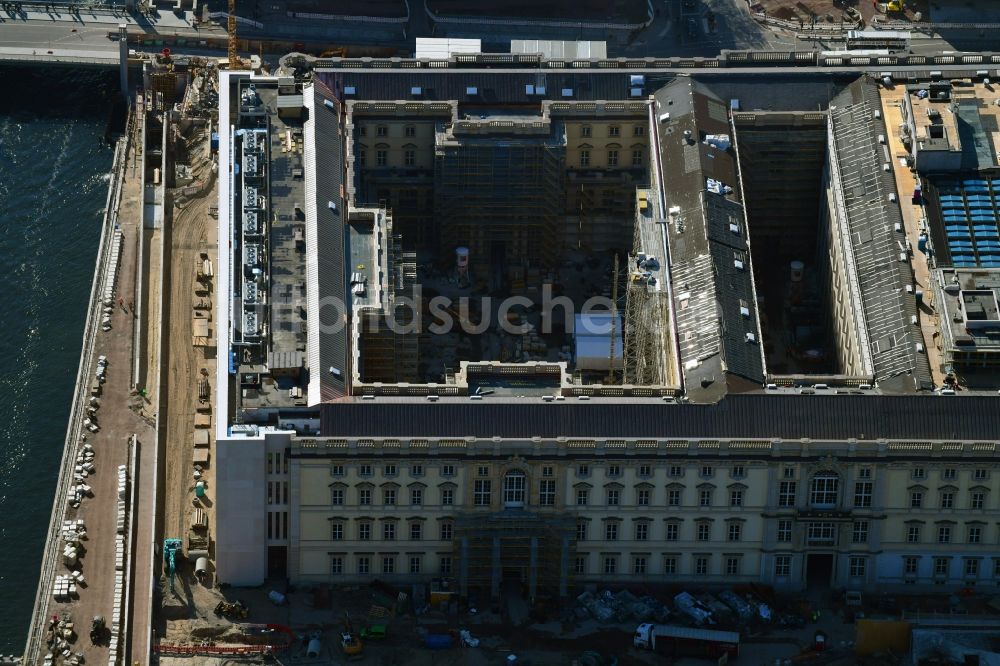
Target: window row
pixel 386 564
pixel 701 564
pixel 586 131
pixel 365 530
pixel 612 158
pixel 941 567
pixel 642 530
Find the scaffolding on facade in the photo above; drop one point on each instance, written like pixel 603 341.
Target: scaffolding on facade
pixel 532 549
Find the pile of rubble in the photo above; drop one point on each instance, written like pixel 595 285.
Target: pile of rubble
pixel 621 606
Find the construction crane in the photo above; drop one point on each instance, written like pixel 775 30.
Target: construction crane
pixel 170 548
pixel 234 57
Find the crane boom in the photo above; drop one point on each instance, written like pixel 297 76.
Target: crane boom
pixel 234 58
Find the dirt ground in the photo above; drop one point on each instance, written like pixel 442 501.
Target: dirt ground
pixel 832 11
pixel 620 11
pixel 192 231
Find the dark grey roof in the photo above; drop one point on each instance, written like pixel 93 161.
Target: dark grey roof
pixel 708 287
pixel 737 416
pixel 871 219
pixel 331 239
pixel 491 87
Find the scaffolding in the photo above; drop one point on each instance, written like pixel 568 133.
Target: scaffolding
pixel 647 335
pixel 502 198
pixel 389 352
pixel 532 549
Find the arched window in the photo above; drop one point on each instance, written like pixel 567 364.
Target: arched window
pixel 514 484
pixel 823 490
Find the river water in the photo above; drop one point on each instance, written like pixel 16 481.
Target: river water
pixel 54 171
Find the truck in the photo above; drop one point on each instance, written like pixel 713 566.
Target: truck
pixel 676 641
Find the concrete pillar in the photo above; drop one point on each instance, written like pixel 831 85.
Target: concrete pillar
pixel 497 570
pixel 463 567
pixel 564 567
pixel 533 569
pixel 123 57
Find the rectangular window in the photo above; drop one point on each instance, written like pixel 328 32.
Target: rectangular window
pixel 548 472
pixel 614 130
pixel 673 498
pixel 584 158
pixel 735 532
pixel 381 130
pixel 415 565
pixel 336 565
pixel 641 531
pixel 782 566
pixel 947 500
pixel 863 494
pixel 941 565
pixel 362 157
pixel 363 130
pixel 337 496
pixel 416 470
pixel 971 568
pixel 388 531
pixel 445 564
pixel 705 498
pixel 581 531
pixel 738 472
pixel 336 470
pixel 364 496
pixel 642 497
pixel 336 531
pixel 996 568
pixel 858 567
pixel 585 130
pixel 389 496
pixel 980 475
pixel 447 496
pixel 865 473
pixel 364 531
pixel 389 470
pixel 732 566
pixel 613 497
pixel 735 498
pixel 610 565
pixel 482 492
pixel 409 157
pixel 364 565
pixel 704 531
pixel 416 496
pixel 788 473
pixel 580 565
pixel 916 499
pixel 977 499
pixel 388 564
pixel 669 565
pixel 581 497
pixel 614 470
pixel 447 470
pixel 637 157
pixel 948 474
pixel 944 534
pixel 381 158
pixel 919 473
pixel 612 158
pixel 707 472
pixel 645 471
pixel 913 534
pixel 786 493
pixel 583 470
pixel 701 566
pixel 446 531
pixel 784 531
pixel 860 532
pixel 676 471
pixel 611 532
pixel 975 535
pixel 410 130
pixel 638 130
pixel 365 470
pixel 673 531
pixel 639 565
pixel 547 492
pixel 821 534
pixel 416 531
pixel 910 565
